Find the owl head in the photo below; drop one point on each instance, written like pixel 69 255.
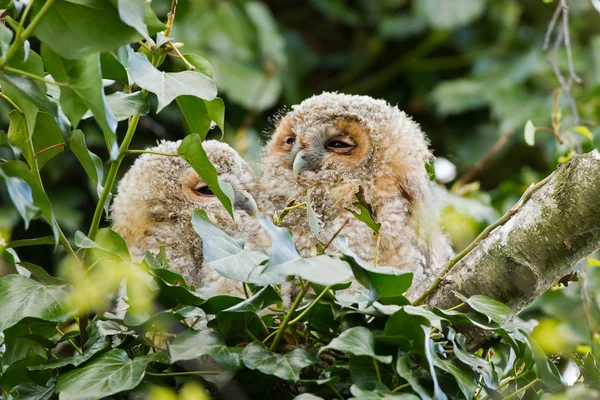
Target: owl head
pixel 334 138
pixel 157 196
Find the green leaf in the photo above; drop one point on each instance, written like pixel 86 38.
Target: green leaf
pixel 78 29
pixel 6 36
pixel 30 334
pixel 132 13
pixel 199 114
pixel 493 309
pixel 40 273
pixel 405 373
pixel 258 302
pixel 113 68
pixel 22 297
pixel 85 90
pixel 200 63
pixel 584 130
pixel 442 14
pixel 111 373
pixel 362 372
pixel 358 341
pixel 193 344
pixel 32 391
pixel 191 150
pixel 590 371
pixel 546 370
pixel 169 85
pixel 365 212
pixel 125 105
pixel 30 242
pixel 530 133
pixel 431 357
pixel 256 356
pixel 478 364
pixel 91 163
pixel 307 396
pixel 458 95
pixel 22 188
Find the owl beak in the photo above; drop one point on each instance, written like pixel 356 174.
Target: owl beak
pixel 300 163
pixel 245 202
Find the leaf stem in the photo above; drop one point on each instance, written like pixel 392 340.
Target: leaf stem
pixel 339 396
pixel 284 324
pixel 37 155
pixel 158 153
pixel 456 307
pixel 12 103
pixel 376 365
pixel 310 306
pixel 23 18
pixel 34 76
pixel 19 39
pixel 170 18
pixel 110 180
pixel 70 341
pixel 404 386
pixel 184 373
pixel 526 196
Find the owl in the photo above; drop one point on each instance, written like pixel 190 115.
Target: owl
pixel 154 204
pixel 333 147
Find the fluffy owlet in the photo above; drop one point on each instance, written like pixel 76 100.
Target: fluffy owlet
pixel 333 145
pixel 154 206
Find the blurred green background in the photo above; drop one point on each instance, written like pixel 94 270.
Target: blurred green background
pixel 469 71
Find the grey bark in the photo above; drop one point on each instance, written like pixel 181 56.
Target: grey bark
pixel 518 261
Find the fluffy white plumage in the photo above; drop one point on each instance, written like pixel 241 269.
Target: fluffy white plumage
pixel 154 205
pixel 383 151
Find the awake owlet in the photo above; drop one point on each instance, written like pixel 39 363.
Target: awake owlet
pixel 334 145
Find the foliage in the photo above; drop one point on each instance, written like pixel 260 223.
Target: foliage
pixel 80 78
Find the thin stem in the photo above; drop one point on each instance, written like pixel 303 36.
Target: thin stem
pixel 171 18
pixel 376 255
pixel 16 107
pixel 404 386
pixel 565 15
pixel 338 395
pixel 456 307
pixel 188 65
pixel 184 373
pixel 12 50
pixel 521 390
pixel 70 341
pixel 23 18
pixel 334 236
pixel 310 306
pixel 551 26
pixel 158 153
pixel 110 180
pixel 526 196
pixel 376 365
pixel 54 146
pixel 284 324
pixel 34 76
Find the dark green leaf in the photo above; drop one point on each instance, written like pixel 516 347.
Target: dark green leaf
pixel 30 242
pixel 199 114
pixel 200 63
pixel 365 212
pixel 32 391
pixel 287 366
pixel 22 297
pixel 363 372
pixel 40 273
pixel 112 68
pixel 405 373
pixel 30 334
pixel 358 341
pixel 169 85
pixel 193 344
pixel 379 394
pixel 111 373
pixel 489 307
pixel 258 302
pixel 77 29
pixel 84 90
pixel 6 36
pixel 432 358
pixel 191 150
pixel 91 163
pixel 478 364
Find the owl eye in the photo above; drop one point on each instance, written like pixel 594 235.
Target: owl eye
pixel 337 145
pixel 204 190
pixel 290 140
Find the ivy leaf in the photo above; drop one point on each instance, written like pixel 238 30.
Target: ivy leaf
pixel 191 150
pixel 258 302
pixel 169 85
pixel 478 364
pixel 405 373
pixel 125 105
pixel 193 344
pixel 530 133
pixel 6 36
pixel 493 309
pixel 132 13
pixel 84 90
pixel 256 356
pixel 366 213
pixel 111 373
pixel 199 114
pixel 91 163
pixel 22 297
pixel 358 341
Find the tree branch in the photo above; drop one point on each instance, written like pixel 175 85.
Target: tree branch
pixel 541 242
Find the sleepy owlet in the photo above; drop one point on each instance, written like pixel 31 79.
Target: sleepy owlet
pixel 154 206
pixel 333 144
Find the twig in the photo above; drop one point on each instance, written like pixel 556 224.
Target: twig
pixel 284 324
pixel 170 18
pixel 526 196
pixel 16 107
pixel 310 306
pixel 70 341
pixel 585 304
pixel 551 26
pixel 157 153
pixel 34 76
pixel 400 387
pixel 23 18
pixel 338 395
pixel 3 160
pixel 37 155
pixel 376 365
pixel 481 165
pixel 565 14
pixel 334 236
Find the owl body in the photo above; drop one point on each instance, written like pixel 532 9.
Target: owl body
pixel 335 145
pixel 154 204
